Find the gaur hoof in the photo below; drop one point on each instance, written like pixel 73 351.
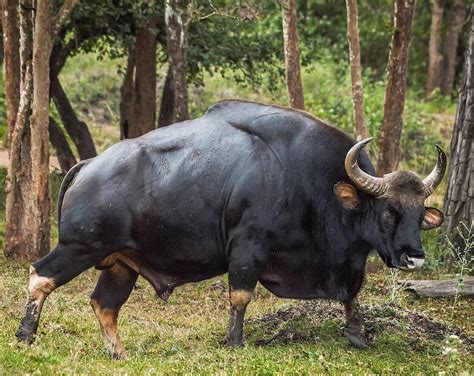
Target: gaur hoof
pixel 356 339
pixel 116 355
pixel 24 335
pixel 233 343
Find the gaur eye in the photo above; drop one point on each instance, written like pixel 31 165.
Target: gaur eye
pixel 388 216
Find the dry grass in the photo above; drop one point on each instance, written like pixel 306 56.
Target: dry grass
pixel 184 335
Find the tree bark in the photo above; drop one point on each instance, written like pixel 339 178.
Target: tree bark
pixel 17 244
pixel 77 129
pixel 292 55
pixel 435 58
pixel 138 102
pixel 456 21
pixel 11 37
pixel 356 70
pixel 440 289
pixel 177 19
pixel 63 151
pixel 167 102
pixel 394 102
pixel 28 206
pixel 126 93
pixel 2 56
pixel 459 204
pixel 39 198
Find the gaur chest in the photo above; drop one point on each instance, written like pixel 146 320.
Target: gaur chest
pixel 304 274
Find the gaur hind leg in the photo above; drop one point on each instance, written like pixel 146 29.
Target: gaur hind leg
pixel 48 273
pixel 354 330
pixel 244 273
pixel 111 292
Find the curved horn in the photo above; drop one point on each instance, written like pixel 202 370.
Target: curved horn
pixel 370 184
pixel 435 177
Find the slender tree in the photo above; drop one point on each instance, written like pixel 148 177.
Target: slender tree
pixel 177 19
pixel 38 197
pixel 394 102
pixel 76 128
pixel 63 151
pixel 292 55
pixel 11 50
pixel 16 243
pixel 167 101
pixel 356 71
pixel 456 22
pixel 138 102
pixel 459 199
pixel 435 57
pixel 28 203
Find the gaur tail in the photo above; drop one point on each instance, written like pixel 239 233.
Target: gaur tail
pixel 71 174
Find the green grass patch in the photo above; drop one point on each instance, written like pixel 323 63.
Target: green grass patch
pixel 184 335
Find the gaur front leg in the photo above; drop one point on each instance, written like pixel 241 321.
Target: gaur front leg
pixel 111 292
pixel 244 271
pixel 239 299
pixel 354 330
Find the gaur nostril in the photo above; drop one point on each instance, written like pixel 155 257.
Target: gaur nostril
pixel 412 262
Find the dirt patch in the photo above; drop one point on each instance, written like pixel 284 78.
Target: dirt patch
pixel 283 325
pixel 4 160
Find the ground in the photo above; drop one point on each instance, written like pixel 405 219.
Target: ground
pixel 184 335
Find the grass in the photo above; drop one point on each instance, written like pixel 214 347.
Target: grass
pixel 184 335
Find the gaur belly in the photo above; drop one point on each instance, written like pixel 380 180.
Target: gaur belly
pixel 165 274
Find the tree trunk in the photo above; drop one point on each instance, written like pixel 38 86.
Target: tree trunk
pixel 459 204
pixel 292 55
pixel 356 70
pixel 138 102
pixel 167 102
pixel 2 55
pixel 177 19
pixel 126 94
pixel 77 129
pixel 39 198
pixel 28 206
pixel 394 102
pixel 456 21
pixel 80 133
pixel 11 36
pixel 435 57
pixel 63 151
pixel 17 243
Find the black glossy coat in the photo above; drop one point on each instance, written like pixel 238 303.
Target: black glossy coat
pixel 245 189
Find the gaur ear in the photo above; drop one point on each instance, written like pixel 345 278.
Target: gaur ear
pixel 433 218
pixel 347 195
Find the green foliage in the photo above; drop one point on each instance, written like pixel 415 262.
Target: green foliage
pixel 244 50
pixel 221 40
pixel 322 26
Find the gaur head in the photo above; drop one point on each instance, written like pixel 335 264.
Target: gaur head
pixel 396 213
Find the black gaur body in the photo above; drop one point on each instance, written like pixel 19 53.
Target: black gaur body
pixel 256 191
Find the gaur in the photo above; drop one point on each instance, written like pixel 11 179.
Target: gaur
pixel 263 193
